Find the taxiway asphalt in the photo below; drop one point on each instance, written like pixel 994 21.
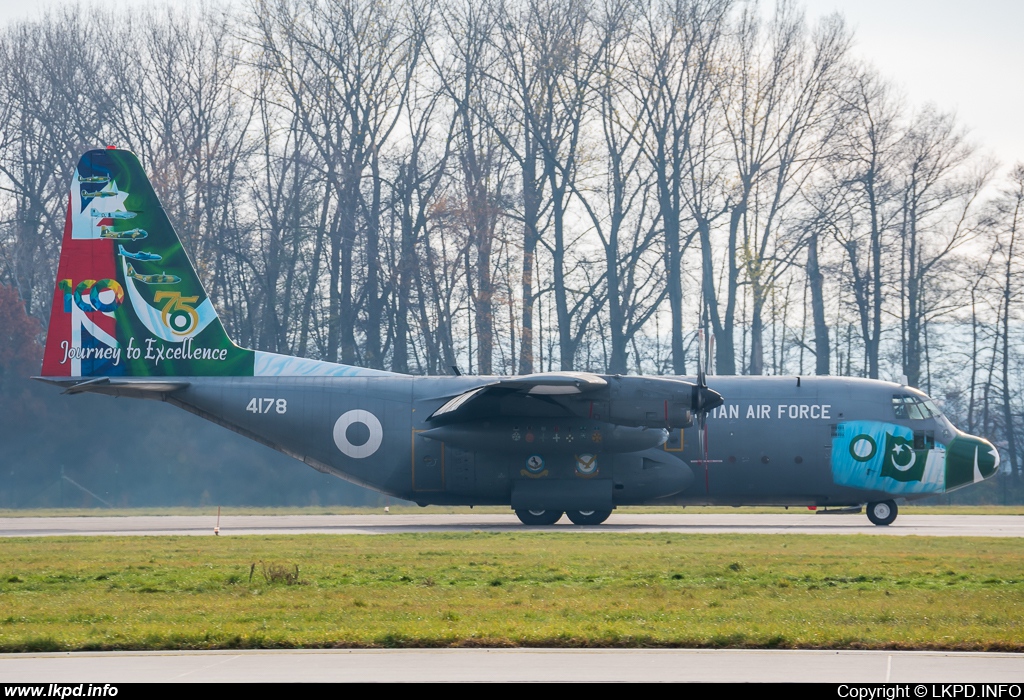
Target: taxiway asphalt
pixel 381 524
pixel 517 665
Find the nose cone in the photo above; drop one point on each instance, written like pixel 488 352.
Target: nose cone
pixel 969 460
pixel 705 399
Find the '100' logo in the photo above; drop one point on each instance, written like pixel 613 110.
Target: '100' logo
pixel 92 295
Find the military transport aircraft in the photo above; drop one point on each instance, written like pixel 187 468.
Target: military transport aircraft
pixel 129 235
pixel 163 278
pixel 141 255
pixel 567 442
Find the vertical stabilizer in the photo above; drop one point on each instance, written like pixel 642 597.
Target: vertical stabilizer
pixel 127 300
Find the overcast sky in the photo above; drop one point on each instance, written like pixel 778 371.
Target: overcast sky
pixel 965 57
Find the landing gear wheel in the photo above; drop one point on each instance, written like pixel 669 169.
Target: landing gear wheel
pixel 588 517
pixel 882 512
pixel 539 517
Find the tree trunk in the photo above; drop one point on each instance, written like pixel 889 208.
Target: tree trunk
pixel 822 361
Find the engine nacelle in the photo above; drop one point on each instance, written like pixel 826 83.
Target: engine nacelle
pixel 642 402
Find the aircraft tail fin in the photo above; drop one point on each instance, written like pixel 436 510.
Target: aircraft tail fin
pixel 137 309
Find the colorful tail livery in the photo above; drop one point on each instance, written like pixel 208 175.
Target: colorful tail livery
pixel 127 300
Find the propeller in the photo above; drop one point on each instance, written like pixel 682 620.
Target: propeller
pixel 705 400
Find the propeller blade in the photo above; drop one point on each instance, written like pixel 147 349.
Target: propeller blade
pixel 707 479
pixel 700 358
pixel 705 399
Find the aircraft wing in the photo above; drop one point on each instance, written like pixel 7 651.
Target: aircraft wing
pixel 484 401
pixel 642 402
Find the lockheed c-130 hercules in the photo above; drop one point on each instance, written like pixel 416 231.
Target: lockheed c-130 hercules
pixel 572 443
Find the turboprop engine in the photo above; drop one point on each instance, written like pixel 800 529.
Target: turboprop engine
pixel 642 402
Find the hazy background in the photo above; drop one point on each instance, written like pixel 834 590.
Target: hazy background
pixel 964 57
pixel 131 453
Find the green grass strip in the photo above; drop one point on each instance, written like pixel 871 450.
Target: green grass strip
pixel 511 589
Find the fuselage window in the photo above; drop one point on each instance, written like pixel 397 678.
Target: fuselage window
pixel 924 439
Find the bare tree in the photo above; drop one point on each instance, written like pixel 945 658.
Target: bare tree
pixel 53 112
pixel 617 201
pixel 940 192
pixel 1007 223
pixel 867 175
pixel 465 61
pixel 347 67
pixel 678 83
pixel 780 114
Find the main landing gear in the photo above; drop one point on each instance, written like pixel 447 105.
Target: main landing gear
pixel 588 517
pixel 882 512
pixel 539 517
pixel 550 517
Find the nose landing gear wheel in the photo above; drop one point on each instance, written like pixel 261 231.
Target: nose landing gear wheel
pixel 882 512
pixel 539 517
pixel 588 517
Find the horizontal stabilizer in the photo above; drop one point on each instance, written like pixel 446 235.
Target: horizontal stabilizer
pixel 126 387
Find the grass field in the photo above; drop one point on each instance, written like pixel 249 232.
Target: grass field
pixel 512 589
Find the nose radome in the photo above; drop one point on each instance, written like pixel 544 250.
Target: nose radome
pixel 969 459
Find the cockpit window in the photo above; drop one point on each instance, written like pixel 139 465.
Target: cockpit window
pixel 915 409
pixel 906 406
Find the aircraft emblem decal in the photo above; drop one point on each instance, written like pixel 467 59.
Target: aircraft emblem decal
pixel 586 465
pixel 94 199
pixel 900 461
pixel 367 448
pixel 863 448
pixel 535 468
pixel 166 323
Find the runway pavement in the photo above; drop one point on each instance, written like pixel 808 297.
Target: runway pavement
pixel 511 665
pixel 790 523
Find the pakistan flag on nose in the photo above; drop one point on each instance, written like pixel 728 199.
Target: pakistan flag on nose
pixel 901 461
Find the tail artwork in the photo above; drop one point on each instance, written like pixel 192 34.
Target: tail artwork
pixel 128 302
pixel 112 313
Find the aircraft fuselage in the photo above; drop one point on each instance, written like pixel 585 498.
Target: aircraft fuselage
pixel 771 443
